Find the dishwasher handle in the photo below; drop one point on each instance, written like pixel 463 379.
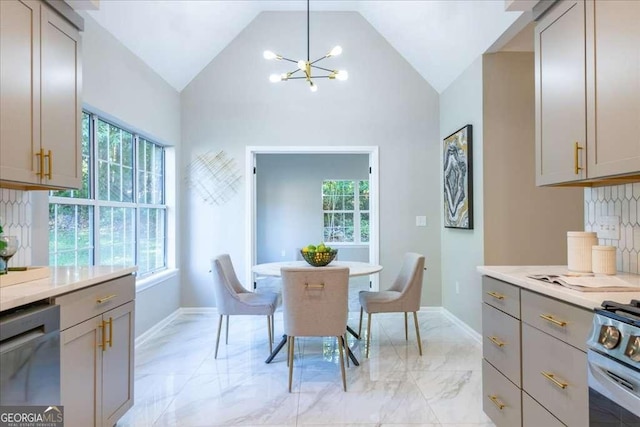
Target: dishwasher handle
pixel 43 318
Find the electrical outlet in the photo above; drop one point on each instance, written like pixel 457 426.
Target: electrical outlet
pixel 421 221
pixel 457 288
pixel 608 227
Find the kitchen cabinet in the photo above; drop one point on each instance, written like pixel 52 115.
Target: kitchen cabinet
pixel 535 362
pixel 40 111
pixel 97 341
pixel 587 80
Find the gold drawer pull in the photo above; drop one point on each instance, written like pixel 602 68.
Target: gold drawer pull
pixel 495 295
pixel 110 323
pixel 40 156
pixel 49 157
pixel 105 299
pixel 496 402
pixel 320 286
pixel 496 341
pixel 549 318
pixel 103 345
pixel 552 378
pixel 103 330
pixel 577 148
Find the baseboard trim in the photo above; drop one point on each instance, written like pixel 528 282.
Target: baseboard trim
pixel 198 310
pixel 149 333
pixel 431 309
pixel 466 328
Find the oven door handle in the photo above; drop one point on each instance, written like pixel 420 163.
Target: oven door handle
pixel 612 380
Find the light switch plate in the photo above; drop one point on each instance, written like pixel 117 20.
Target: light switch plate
pixel 608 227
pixel 421 221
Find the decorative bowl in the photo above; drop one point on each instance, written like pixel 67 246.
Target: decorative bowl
pixel 319 259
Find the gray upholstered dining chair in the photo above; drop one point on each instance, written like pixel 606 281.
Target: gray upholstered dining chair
pixel 402 297
pixel 315 304
pixel 233 299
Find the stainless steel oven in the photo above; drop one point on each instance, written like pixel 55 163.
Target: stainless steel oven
pixel 30 355
pixel 614 366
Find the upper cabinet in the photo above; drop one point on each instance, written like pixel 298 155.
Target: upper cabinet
pixel 587 92
pixel 40 110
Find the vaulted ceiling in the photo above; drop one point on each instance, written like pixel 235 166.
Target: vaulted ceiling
pixel 439 38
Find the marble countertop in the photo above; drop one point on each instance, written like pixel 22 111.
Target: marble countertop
pixel 61 281
pixel 517 275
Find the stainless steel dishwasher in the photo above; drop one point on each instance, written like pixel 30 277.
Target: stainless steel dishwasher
pixel 30 355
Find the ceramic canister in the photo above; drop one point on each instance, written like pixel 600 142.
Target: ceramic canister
pixel 579 252
pixel 603 259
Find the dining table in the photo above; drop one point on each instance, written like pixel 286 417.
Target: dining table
pixel 356 268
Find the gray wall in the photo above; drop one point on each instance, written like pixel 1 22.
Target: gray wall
pixel 289 202
pixel 463 250
pixel 231 104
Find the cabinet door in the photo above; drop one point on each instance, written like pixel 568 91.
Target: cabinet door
pixel 117 364
pixel 560 94
pixel 20 87
pixel 60 100
pixel 80 379
pixel 613 87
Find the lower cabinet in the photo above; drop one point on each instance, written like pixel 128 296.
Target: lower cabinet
pixel 534 371
pixel 97 354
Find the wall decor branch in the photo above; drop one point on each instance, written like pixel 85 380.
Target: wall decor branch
pixel 215 177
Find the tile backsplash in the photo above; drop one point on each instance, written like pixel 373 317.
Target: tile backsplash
pixel 622 201
pixel 15 217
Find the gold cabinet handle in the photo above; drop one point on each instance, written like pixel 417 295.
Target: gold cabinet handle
pixel 549 318
pixel 576 156
pixel 103 333
pixel 496 341
pixel 496 402
pixel 49 157
pixel 40 156
pixel 551 377
pixel 110 323
pixel 105 299
pixel 495 295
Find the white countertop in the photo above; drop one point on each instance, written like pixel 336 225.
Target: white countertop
pixel 61 281
pixel 517 275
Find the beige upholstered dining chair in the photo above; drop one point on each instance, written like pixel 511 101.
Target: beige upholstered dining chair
pixel 402 297
pixel 233 299
pixel 315 304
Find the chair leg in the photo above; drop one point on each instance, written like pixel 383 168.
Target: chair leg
pixel 273 328
pixel 360 324
pixel 344 376
pixel 369 315
pixel 406 329
pixel 346 346
pixel 290 339
pixel 218 338
pixel 226 338
pixel 415 320
pixel 270 336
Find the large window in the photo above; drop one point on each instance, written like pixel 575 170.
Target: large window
pixel 345 206
pixel 118 217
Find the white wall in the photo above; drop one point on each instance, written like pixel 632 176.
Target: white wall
pixel 118 85
pixel 463 250
pixel 385 102
pixel 289 203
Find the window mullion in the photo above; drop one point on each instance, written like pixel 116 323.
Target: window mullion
pixel 356 212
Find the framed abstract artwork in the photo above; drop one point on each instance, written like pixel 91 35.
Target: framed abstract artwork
pixel 458 179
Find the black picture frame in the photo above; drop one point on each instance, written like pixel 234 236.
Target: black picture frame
pixel 457 172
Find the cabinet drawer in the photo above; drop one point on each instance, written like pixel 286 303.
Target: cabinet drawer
pixel 501 342
pixel 534 415
pixel 501 295
pixel 75 307
pixel 566 322
pixel 555 374
pixel 500 398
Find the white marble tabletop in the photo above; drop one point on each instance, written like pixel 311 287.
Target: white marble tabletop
pixel 517 275
pixel 355 268
pixel 61 281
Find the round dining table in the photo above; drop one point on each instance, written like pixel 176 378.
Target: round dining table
pixel 356 268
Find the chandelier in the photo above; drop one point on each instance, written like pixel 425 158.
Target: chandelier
pixel 308 66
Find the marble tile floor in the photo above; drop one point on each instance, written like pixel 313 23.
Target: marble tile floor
pixel 179 383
